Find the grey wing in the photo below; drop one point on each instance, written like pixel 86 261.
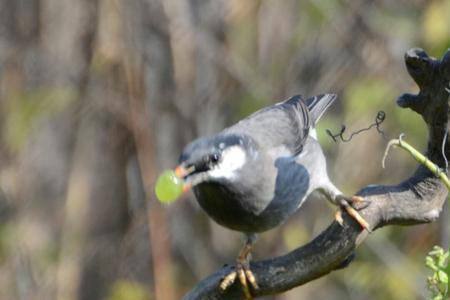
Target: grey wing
pixel 284 124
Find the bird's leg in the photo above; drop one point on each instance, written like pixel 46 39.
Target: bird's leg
pixel 347 203
pixel 242 269
pixel 337 198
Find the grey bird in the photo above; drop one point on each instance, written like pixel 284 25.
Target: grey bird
pixel 252 176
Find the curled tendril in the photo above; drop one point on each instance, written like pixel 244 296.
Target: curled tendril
pixel 381 116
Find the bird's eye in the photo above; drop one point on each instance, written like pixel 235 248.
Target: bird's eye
pixel 214 158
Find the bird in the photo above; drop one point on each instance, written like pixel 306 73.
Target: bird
pixel 253 175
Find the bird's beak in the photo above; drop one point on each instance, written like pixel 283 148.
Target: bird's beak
pixel 182 171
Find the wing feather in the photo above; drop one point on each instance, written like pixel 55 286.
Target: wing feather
pixel 283 124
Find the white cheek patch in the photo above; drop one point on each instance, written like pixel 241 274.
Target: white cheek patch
pixel 232 160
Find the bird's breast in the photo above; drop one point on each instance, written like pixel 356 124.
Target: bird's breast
pixel 258 205
pixel 232 208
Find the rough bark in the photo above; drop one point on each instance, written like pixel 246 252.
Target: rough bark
pixel 418 199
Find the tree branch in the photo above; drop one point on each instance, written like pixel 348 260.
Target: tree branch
pixel 418 199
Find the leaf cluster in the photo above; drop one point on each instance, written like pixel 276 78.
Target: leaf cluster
pixel 437 261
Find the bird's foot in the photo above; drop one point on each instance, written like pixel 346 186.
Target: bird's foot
pixel 245 276
pixel 242 272
pixel 348 203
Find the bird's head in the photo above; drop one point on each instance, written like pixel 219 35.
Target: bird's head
pixel 219 158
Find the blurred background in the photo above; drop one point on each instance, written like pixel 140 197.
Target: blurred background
pixel 99 96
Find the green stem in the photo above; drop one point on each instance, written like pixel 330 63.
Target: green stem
pixel 419 157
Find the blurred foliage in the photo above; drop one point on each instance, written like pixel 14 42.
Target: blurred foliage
pixel 436 27
pixel 294 236
pixel 365 95
pixel 129 290
pixel 25 109
pixel 437 261
pixel 371 279
pixel 223 60
pixel 6 241
pixel 247 105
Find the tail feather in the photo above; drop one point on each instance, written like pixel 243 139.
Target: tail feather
pixel 317 105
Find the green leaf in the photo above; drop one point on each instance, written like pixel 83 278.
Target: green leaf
pixel 447 270
pixel 437 251
pixel 429 262
pixel 443 260
pixel 443 278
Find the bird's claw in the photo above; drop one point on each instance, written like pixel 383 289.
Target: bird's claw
pixel 347 204
pixel 245 276
pixel 228 280
pixel 338 217
pixel 358 202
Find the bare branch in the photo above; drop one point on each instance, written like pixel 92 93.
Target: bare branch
pixel 418 199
